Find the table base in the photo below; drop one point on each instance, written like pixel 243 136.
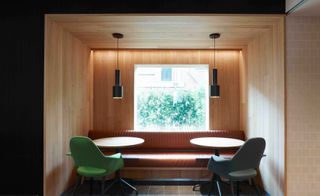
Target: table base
pixel 121 182
pixel 208 186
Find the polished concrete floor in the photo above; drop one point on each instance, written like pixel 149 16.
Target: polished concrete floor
pixel 163 190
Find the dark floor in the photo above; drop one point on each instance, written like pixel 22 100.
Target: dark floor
pixel 163 190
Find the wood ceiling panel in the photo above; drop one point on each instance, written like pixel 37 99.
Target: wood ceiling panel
pixel 165 31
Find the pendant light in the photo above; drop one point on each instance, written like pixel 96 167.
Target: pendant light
pixel 117 90
pixel 214 87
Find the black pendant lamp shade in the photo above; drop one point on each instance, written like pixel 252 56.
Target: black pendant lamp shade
pixel 214 87
pixel 117 90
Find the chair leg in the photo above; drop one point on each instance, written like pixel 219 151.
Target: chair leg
pixel 102 186
pixel 238 188
pixel 122 188
pixel 77 184
pixel 109 186
pixel 255 187
pixel 218 187
pixel 231 185
pixel 211 185
pixel 82 179
pixel 129 185
pixel 91 182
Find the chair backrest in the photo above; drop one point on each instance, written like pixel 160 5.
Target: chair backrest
pixel 249 155
pixel 85 153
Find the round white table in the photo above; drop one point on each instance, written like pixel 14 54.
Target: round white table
pixel 215 143
pixel 117 143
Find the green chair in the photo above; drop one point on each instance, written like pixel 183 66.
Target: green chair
pixel 241 167
pixel 91 162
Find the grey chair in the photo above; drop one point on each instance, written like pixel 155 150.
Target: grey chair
pixel 242 166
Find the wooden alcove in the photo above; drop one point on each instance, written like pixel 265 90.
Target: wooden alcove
pixel 79 64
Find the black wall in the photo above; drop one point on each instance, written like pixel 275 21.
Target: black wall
pixel 21 71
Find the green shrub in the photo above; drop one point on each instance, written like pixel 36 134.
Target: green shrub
pixel 161 109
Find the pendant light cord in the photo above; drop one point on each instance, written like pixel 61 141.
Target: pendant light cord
pixel 214 53
pixel 117 53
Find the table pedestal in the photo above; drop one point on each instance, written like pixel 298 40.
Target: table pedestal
pixel 215 143
pixel 215 178
pixel 121 182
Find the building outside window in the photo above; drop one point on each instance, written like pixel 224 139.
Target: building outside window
pixel 166 74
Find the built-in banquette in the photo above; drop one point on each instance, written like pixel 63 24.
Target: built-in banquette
pixel 168 149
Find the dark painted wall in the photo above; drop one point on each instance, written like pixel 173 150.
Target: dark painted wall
pixel 21 71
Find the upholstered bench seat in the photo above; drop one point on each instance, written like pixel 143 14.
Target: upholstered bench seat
pixel 168 149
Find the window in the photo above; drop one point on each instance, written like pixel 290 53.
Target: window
pixel 171 97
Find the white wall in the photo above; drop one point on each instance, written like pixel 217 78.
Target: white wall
pixel 303 105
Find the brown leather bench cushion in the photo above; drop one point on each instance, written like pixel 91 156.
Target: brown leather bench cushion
pixel 168 149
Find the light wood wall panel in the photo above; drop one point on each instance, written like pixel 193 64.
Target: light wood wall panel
pixel 263 102
pixel 67 104
pixel 303 105
pixel 110 114
pixel 243 72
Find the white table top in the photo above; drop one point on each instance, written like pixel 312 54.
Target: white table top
pixel 217 142
pixel 118 142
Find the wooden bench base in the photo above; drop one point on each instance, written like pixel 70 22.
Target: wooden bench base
pixel 139 173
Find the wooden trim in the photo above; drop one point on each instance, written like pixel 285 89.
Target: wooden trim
pixel 285 111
